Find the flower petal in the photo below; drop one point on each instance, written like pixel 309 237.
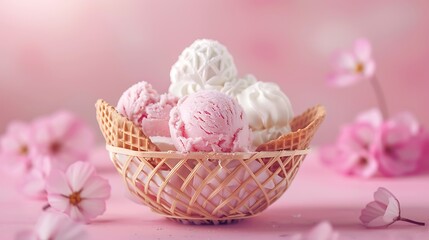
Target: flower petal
pixel 91 208
pixel 362 49
pixel 369 69
pixel 53 225
pixel 34 185
pixel 369 169
pixel 404 161
pixel 344 61
pixel 373 117
pixel 392 211
pixel 76 214
pixel 96 187
pixel 356 137
pixel 59 203
pixel 78 173
pixel 384 196
pixel 57 184
pixel 342 79
pixel 373 215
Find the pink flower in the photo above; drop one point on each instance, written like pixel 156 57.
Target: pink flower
pixel 63 137
pixel 353 65
pixel 79 192
pixel 54 226
pixel 353 152
pixel 16 148
pixel 383 211
pixel 33 184
pixel 401 146
pixel 322 231
pixel 370 146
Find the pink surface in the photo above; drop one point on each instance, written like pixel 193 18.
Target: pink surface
pixel 86 50
pixel 315 195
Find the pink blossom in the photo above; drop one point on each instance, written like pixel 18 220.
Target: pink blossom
pixel 79 192
pixel 401 146
pixel 54 226
pixel 64 138
pixel 383 211
pixel 353 152
pixel 370 146
pixel 33 184
pixel 322 231
pixel 16 148
pixel 353 65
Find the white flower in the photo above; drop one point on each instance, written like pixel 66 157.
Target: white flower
pixel 383 211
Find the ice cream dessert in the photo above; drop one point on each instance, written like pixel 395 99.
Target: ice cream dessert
pixel 146 108
pixel 206 64
pixel 133 102
pixel 268 109
pixel 157 116
pixel 208 121
pixel 236 86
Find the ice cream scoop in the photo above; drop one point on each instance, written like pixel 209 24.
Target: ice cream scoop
pixel 209 121
pixel 236 86
pixel 206 64
pixel 268 110
pixel 157 116
pixel 146 108
pixel 133 102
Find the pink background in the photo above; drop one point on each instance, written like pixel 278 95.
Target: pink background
pixel 66 54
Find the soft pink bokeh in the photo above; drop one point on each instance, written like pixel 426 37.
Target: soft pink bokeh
pixel 66 54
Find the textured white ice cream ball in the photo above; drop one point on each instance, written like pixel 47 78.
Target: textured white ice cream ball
pixel 206 64
pixel 235 87
pixel 268 110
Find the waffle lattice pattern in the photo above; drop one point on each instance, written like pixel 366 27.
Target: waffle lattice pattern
pixel 206 188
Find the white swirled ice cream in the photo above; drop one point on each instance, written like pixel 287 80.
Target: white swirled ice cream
pixel 268 110
pixel 206 64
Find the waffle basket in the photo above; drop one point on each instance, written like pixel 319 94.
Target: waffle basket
pixel 206 187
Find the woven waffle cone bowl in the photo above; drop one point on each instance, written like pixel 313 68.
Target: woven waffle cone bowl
pixel 206 187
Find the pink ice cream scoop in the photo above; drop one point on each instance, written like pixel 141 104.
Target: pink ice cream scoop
pixel 158 115
pixel 146 108
pixel 209 121
pixel 134 101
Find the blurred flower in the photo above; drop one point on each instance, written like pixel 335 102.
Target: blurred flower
pixel 79 192
pixel 401 147
pixel 370 146
pixel 322 231
pixel 33 184
pixel 353 152
pixel 353 65
pixel 64 137
pixel 15 148
pixel 54 226
pixel 383 211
